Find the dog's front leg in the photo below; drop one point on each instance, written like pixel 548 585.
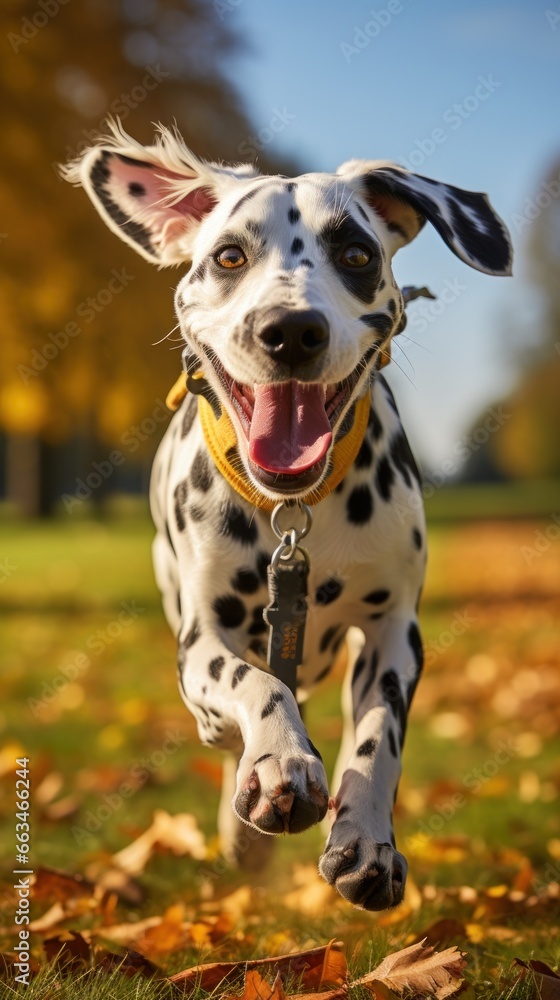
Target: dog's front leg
pixel 281 782
pixel 360 857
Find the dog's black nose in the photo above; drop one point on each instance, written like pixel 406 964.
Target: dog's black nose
pixel 293 338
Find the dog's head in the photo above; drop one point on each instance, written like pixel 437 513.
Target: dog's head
pixel 290 300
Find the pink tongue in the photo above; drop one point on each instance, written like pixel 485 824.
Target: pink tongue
pixel 290 431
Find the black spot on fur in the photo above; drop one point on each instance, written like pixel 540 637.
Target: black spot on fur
pixel 377 596
pixel 258 625
pixel 258 646
pixel 190 407
pixel 263 561
pixel 215 713
pixel 328 591
pixel 245 581
pixel 196 513
pixel 100 175
pixel 378 321
pixel 201 476
pixel 180 497
pixel 294 214
pixel 367 749
pixel 297 245
pixel 359 506
pixel 415 643
pixel 265 756
pixel 242 200
pixel 389 394
pixel 375 424
pixel 313 749
pixel 328 637
pixel 192 635
pixel 359 668
pixel 362 212
pixel 417 538
pixel 239 674
pixel 322 674
pixel 393 696
pixel 364 457
pixel 136 190
pixel 373 666
pixel 404 459
pixel 230 610
pixel 236 525
pixel 305 262
pixel 215 667
pixel 392 743
pixel 384 478
pixel 275 698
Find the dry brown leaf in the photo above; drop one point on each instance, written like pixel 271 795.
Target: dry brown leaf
pixel 130 964
pixel 419 969
pixel 257 988
pixel 69 950
pixel 210 976
pixel 446 929
pixel 179 834
pixel 333 971
pixel 52 883
pixel 546 980
pixel 125 934
pixel 171 933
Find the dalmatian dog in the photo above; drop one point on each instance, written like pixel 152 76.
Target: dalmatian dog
pixel 288 301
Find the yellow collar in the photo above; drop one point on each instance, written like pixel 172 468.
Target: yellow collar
pixel 221 440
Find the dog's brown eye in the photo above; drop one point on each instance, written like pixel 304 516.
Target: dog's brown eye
pixel 231 257
pixel 356 256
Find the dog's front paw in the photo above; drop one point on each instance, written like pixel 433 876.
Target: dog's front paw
pixel 281 794
pixel 366 873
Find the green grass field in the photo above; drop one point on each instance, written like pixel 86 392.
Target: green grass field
pixel 91 698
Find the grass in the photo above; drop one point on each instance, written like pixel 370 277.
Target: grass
pixel 474 810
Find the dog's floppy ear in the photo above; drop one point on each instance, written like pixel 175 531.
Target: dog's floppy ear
pixel 153 197
pixel 464 219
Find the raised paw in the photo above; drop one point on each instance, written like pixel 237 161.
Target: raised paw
pixel 366 873
pixel 281 794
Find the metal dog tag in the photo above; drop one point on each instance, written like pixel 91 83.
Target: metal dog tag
pixel 286 614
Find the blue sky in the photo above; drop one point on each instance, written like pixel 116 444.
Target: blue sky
pixel 374 80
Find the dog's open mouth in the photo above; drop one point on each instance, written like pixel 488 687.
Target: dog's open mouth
pixel 289 427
